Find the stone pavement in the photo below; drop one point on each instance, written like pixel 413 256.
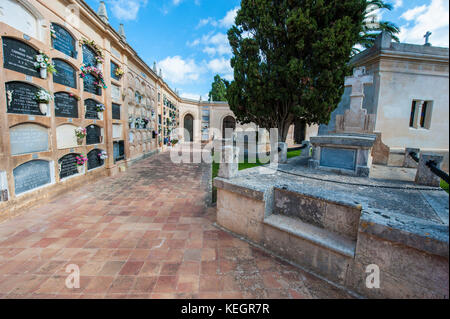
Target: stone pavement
pixel 145 233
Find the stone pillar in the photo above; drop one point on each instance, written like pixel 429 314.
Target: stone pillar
pixel 307 150
pixel 408 162
pixel 229 165
pixel 3 187
pixel 424 175
pixel 282 152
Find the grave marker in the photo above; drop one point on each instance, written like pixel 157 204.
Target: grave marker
pixel 68 165
pixel 66 105
pixel 28 138
pixel 21 98
pixel 19 56
pixel 31 175
pixel 65 75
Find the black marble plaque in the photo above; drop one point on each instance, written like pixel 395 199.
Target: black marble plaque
pixel 89 56
pixel 65 75
pixel 94 159
pixel 91 109
pixel 115 111
pixel 90 84
pixel 66 105
pixel 93 134
pixel 31 175
pixel 19 56
pixel 20 98
pixel 118 151
pixel 114 67
pixel 68 165
pixel 64 41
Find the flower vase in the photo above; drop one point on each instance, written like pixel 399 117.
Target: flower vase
pixel 99 66
pixel 80 169
pixel 43 107
pixel 101 139
pixel 80 141
pixel 43 72
pixel 100 116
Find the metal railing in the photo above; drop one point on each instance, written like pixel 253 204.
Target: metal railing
pixel 432 166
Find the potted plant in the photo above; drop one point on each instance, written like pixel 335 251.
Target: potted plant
pixel 81 160
pixel 99 60
pixel 44 65
pixel 80 133
pixel 43 98
pixel 119 72
pixel 100 109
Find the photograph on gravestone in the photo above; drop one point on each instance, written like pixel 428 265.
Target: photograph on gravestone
pixel 63 41
pixel 118 151
pixel 93 135
pixel 21 98
pixel 91 109
pixel 90 84
pixel 94 159
pixel 68 165
pixel 65 74
pixel 116 111
pixel 19 56
pixel 89 56
pixel 28 138
pixel 66 105
pixel 31 175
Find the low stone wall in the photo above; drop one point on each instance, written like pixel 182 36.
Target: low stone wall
pixel 340 240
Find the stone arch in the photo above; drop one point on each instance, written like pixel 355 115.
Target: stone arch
pixel 188 126
pixel 227 122
pixel 24 17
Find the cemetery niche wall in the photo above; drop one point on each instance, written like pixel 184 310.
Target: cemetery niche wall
pixel 65 74
pixel 31 175
pixel 63 41
pixel 68 166
pixel 19 56
pixel 95 159
pixel 93 135
pixel 21 98
pixel 66 105
pixel 28 138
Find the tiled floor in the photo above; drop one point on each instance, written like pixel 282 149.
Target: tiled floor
pixel 145 233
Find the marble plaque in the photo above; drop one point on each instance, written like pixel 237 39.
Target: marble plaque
pixel 115 111
pixel 66 105
pixel 65 136
pixel 89 56
pixel 21 98
pixel 28 138
pixel 65 75
pixel 94 133
pixel 338 158
pixel 63 42
pixel 94 159
pixel 68 165
pixel 19 56
pixel 117 130
pixel 31 175
pixel 90 86
pixel 90 106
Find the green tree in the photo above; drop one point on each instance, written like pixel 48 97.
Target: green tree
pixel 218 89
pixel 290 59
pixel 372 27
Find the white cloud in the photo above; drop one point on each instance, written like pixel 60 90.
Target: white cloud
pixel 221 66
pixel 179 71
pixel 207 21
pixel 214 44
pixel 194 96
pixel 433 17
pixel 126 10
pixel 398 4
pixel 228 20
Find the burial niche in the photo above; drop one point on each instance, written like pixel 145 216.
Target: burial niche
pixel 89 56
pixel 93 135
pixel 63 41
pixel 21 98
pixel 28 138
pixel 19 56
pixel 94 159
pixel 66 105
pixel 118 151
pixel 65 74
pixel 31 175
pixel 90 107
pixel 68 165
pixel 90 83
pixel 116 111
pixel 65 136
pixel 16 15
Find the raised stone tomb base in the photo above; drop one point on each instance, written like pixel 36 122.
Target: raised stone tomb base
pixel 338 234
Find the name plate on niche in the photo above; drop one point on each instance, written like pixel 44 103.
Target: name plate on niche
pixel 65 75
pixel 28 138
pixel 66 105
pixel 68 165
pixel 31 175
pixel 21 98
pixel 19 56
pixel 338 158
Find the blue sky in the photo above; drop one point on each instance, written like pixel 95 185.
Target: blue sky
pixel 187 38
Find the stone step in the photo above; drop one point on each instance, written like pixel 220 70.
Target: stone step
pixel 314 234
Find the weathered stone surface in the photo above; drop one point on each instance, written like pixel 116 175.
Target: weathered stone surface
pixel 282 152
pixel 229 166
pixel 380 151
pixel 424 175
pixel 408 160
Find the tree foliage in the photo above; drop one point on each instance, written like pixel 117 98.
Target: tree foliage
pixel 290 59
pixel 218 89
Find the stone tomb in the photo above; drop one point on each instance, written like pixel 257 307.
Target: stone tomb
pixel 90 109
pixel 31 175
pixel 19 56
pixel 20 98
pixel 68 165
pixel 63 41
pixel 115 111
pixel 90 86
pixel 93 135
pixel 28 138
pixel 65 136
pixel 66 105
pixel 117 130
pixel 118 151
pixel 65 75
pixel 94 159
